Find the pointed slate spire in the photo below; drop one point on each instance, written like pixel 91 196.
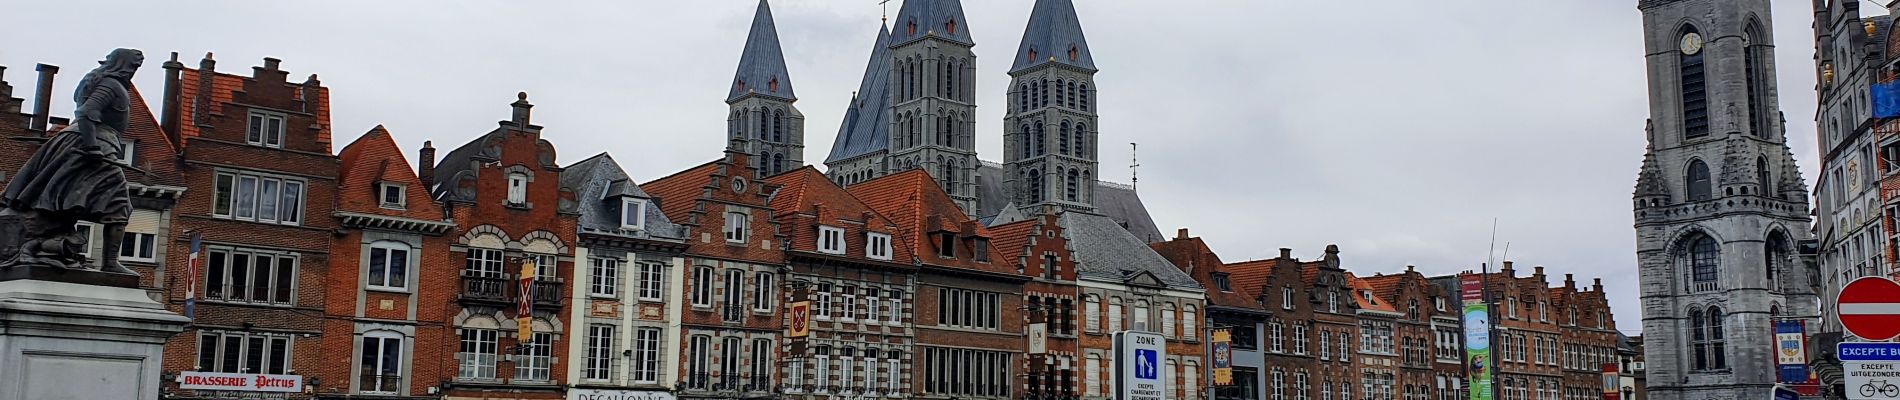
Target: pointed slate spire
pixel 865 128
pixel 940 18
pixel 1054 34
pixel 762 65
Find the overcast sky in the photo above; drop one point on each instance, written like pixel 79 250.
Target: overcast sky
pixel 1396 129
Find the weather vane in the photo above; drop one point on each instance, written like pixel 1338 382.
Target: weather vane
pixel 886 5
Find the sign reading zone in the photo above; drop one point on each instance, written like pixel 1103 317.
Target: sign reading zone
pixel 1138 358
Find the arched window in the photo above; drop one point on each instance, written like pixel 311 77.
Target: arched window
pixel 1085 97
pixel 778 125
pixel 1035 186
pixel 1072 101
pixel 1092 312
pixel 1140 317
pixel 1704 260
pixel 1706 339
pixel 949 78
pixel 1695 98
pixel 1189 317
pixel 1022 97
pixel 1042 94
pixel 1035 94
pixel 915 129
pixel 1059 99
pixel 1698 180
pixel 737 123
pixel 778 163
pixel 1114 314
pixel 1063 138
pixel 1026 143
pixel 1081 140
pixel 1755 74
pixel 1074 184
pixel 1775 249
pixel 949 175
pixel 1041 139
pixel 1761 177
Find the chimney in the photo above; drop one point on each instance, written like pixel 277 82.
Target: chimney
pixel 1538 272
pixel 1507 270
pixel 521 105
pixel 168 118
pixel 1410 269
pixel 43 97
pixel 201 102
pixel 425 165
pixel 1570 282
pixel 1286 252
pixel 1597 286
pixel 1181 234
pixel 271 63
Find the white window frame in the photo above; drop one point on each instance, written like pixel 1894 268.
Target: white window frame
pixel 1188 317
pixel 138 246
pixel 478 364
pixel 763 292
pixel 128 148
pixel 701 295
pixel 736 225
pixel 651 281
pixel 1286 297
pixel 878 246
pixel 228 285
pixel 599 366
pixel 288 196
pixel 896 300
pixel 821 301
pixel 646 353
pixel 383 190
pixel 535 363
pixel 603 279
pixel 244 349
pixel 260 133
pixel 390 252
pixel 517 188
pixel 830 240
pixel 384 340
pixel 635 207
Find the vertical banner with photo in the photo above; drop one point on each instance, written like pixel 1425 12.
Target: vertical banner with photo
pixel 1612 383
pixel 1477 335
pixel 1223 351
pixel 1791 351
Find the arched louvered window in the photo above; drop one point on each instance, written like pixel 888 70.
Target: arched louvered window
pixel 1063 138
pixel 1025 142
pixel 1695 97
pixel 765 124
pixel 737 124
pixel 1072 100
pixel 916 129
pixel 1035 186
pixel 1085 97
pixel 1042 96
pixel 1059 99
pixel 778 125
pixel 1041 139
pixel 1022 97
pixel 1756 75
pixel 1081 140
pixel 949 78
pixel 948 173
pixel 1074 184
pixel 1698 180
pixel 778 163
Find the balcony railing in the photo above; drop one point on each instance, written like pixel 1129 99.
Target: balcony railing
pixel 389 384
pixel 547 292
pixel 480 286
pixel 699 381
pixel 1709 286
pixel 732 313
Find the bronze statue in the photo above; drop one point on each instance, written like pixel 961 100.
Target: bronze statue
pixel 77 176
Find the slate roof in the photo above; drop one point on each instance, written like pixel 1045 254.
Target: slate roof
pixel 806 198
pixel 1055 35
pixel 1116 201
pixel 914 201
pixel 599 183
pixel 222 90
pixel 458 165
pixel 1107 252
pixel 939 18
pixel 371 160
pixel 866 126
pixel 762 61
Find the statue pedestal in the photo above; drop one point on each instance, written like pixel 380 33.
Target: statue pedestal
pixel 61 340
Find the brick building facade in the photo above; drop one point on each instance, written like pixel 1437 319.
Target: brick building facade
pixel 1040 248
pixel 629 266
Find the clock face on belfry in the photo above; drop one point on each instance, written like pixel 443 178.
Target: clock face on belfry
pixel 1691 43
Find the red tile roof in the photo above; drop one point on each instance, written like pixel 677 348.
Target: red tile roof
pixel 222 92
pixel 919 207
pixel 806 198
pixel 1012 238
pixel 676 193
pixel 372 159
pixel 1360 287
pixel 1193 256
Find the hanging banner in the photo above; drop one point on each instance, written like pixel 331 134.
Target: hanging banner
pixel 1477 336
pixel 1791 353
pixel 1612 389
pixel 1886 99
pixel 524 303
pixel 1223 357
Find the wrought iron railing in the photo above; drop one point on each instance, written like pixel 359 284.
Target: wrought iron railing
pixel 477 285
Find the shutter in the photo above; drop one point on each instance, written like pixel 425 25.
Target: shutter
pixel 144 221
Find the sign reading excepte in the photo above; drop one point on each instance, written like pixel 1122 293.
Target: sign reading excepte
pixel 1870 308
pixel 239 382
pixel 1138 357
pixel 1872 370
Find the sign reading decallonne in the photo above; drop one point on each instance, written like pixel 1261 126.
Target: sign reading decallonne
pixel 1138 358
pixel 603 394
pixel 240 382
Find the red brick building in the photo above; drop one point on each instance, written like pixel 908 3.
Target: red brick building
pixel 966 291
pixel 1040 248
pixel 386 331
pixel 503 191
pixel 1234 304
pixel 1378 352
pixel 1589 337
pixel 1526 340
pixel 1417 301
pixel 1336 324
pixel 736 266
pixel 859 276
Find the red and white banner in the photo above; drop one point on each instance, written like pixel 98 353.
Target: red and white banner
pixel 240 382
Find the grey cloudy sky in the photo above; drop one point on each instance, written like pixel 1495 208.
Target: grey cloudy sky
pixel 1396 129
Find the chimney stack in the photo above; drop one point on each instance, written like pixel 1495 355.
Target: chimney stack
pixel 1507 270
pixel 425 165
pixel 1597 286
pixel 521 106
pixel 1570 282
pixel 201 102
pixel 1286 253
pixel 168 117
pixel 43 97
pixel 1539 271
pixel 1181 234
pixel 1410 269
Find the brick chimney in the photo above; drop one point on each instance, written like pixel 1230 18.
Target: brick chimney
pixel 1181 234
pixel 1570 282
pixel 201 102
pixel 1286 253
pixel 43 97
pixel 425 165
pixel 1597 285
pixel 1507 270
pixel 169 116
pixel 1538 272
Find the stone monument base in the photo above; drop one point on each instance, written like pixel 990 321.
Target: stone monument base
pixel 61 340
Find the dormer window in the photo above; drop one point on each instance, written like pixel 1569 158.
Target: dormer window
pixel 391 195
pixel 127 148
pixel 951 26
pixel 1439 303
pixel 911 28
pixel 877 246
pixel 633 213
pixel 1220 281
pixel 947 245
pixel 1368 295
pixel 267 129
pixel 517 188
pixel 830 240
pixel 982 250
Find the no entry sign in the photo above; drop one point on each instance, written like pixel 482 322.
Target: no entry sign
pixel 1870 308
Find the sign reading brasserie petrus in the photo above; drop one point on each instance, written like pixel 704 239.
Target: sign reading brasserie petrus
pixel 1138 358
pixel 1872 370
pixel 239 382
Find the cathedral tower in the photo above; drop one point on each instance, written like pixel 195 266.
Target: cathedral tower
pixel 1049 141
pixel 762 120
pixel 933 96
pixel 1719 203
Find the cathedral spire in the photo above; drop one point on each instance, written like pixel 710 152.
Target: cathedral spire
pixel 1054 34
pixel 942 19
pixel 762 65
pixel 865 128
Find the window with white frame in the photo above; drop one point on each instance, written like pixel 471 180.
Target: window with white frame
pixel 762 350
pixel 255 197
pixel 243 352
pixel 1274 334
pixel 878 246
pixel 892 366
pixel 137 246
pixel 821 301
pixel 871 304
pixel 484 263
pixel 896 299
pixel 646 355
pixel 1299 338
pixel 128 148
pixel 1141 315
pixel 266 129
pixel 252 276
pixel 763 292
pixel 479 353
pixel 536 360
pixel 604 279
pixel 650 281
pixel 830 240
pixel 1189 316
pixel 600 353
pixel 729 363
pixel 517 188
pixel 698 352
pixel 389 265
pixel 1092 375
pixel 822 367
pixel 381 363
pixel 391 195
pixel 736 223
pixel 633 213
pixel 702 286
pixel 1092 313
pixel 969 309
pixel 849 295
pixel 546 266
pixel 735 296
pixel 1286 297
pixel 1193 375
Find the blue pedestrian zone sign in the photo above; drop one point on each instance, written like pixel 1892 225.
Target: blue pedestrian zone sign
pixel 1146 364
pixel 1138 358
